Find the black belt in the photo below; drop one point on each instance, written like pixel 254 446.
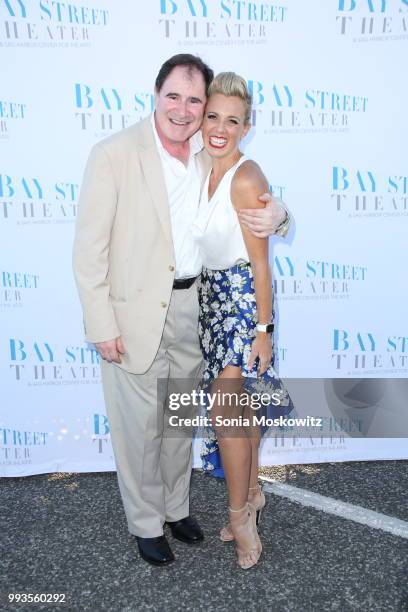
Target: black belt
pixel 184 283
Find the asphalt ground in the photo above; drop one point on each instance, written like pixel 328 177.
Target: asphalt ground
pixel 66 534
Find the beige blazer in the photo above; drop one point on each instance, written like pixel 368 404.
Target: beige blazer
pixel 123 256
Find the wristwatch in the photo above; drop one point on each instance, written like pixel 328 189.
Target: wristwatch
pixel 283 228
pixel 265 327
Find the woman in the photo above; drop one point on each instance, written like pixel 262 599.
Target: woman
pixel 235 294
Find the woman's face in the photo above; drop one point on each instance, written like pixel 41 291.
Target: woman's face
pixel 224 125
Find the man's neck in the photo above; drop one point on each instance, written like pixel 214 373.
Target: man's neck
pixel 179 150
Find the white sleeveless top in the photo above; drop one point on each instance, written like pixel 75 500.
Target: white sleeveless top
pixel 216 228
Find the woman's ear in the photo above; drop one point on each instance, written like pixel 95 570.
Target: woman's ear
pixel 247 127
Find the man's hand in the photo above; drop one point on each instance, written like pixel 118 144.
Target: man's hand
pixel 263 222
pixel 111 349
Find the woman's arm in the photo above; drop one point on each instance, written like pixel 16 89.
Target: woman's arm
pixel 275 218
pixel 247 184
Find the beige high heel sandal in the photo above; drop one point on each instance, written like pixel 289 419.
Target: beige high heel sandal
pixel 248 544
pixel 226 534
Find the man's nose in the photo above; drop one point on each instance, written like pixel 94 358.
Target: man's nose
pixel 182 107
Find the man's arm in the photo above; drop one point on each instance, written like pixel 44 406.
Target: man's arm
pixel 97 207
pixel 273 219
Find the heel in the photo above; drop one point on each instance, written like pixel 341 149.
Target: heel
pixel 258 502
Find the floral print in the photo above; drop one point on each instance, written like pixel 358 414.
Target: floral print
pixel 227 327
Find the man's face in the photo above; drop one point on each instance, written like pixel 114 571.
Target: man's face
pixel 180 105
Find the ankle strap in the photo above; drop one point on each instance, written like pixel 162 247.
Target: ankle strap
pixel 240 509
pixel 257 488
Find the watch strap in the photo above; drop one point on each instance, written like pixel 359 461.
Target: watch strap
pixel 265 327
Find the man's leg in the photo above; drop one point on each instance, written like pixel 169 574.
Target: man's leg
pixel 185 360
pixel 135 416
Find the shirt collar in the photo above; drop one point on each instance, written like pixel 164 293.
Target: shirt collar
pixel 196 140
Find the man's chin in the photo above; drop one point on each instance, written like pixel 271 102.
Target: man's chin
pixel 181 134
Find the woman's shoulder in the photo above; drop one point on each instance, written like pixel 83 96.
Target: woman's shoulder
pixel 247 167
pixel 248 182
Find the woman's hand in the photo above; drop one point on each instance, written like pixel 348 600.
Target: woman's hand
pixel 262 348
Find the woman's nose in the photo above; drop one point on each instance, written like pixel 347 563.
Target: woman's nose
pixel 220 127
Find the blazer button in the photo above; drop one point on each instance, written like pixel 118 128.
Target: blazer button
pixel 164 304
pixel 171 268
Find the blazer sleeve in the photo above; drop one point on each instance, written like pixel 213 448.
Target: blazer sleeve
pixel 283 228
pixel 96 213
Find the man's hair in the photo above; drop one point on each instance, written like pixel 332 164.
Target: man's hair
pixel 191 62
pixel 231 84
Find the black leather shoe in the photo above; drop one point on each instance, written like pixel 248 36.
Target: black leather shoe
pixel 186 530
pixel 155 550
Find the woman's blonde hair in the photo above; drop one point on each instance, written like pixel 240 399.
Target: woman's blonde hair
pixel 231 84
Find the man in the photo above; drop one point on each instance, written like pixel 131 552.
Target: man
pixel 135 264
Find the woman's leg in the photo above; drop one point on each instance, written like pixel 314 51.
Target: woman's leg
pixel 236 453
pixel 233 441
pixel 254 435
pixel 255 495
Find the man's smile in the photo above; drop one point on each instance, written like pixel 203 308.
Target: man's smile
pixel 179 122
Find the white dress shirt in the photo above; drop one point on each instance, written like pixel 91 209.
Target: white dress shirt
pixel 183 184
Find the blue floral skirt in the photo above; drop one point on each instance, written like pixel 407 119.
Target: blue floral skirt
pixel 227 327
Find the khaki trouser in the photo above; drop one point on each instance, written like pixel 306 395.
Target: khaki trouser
pixel 154 468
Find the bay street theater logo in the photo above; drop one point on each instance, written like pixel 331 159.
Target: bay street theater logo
pixel 219 22
pixel 362 192
pixel 372 20
pixel 10 113
pixel 37 200
pixel 15 288
pixel 18 446
pixel 284 108
pixel 36 363
pixel 315 279
pixel 104 110
pixel 101 435
pixel 47 23
pixel 357 352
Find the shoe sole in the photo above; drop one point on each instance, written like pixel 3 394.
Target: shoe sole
pixel 156 563
pixel 187 541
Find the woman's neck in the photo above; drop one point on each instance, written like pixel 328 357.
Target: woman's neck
pixel 222 165
pixel 219 168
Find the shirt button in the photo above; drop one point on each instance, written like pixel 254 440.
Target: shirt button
pixel 171 268
pixel 164 304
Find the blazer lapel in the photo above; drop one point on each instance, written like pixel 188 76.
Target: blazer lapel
pixel 153 172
